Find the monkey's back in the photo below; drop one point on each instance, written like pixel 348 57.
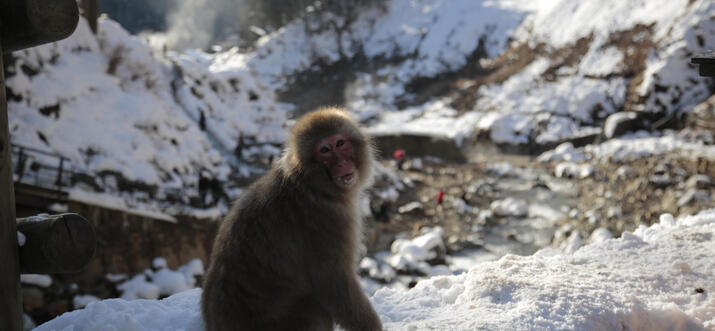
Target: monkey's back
pixel 259 263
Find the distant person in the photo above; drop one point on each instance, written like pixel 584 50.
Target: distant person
pixel 202 120
pixel 238 151
pixel 440 197
pixel 400 157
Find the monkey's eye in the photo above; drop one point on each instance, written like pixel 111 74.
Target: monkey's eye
pixel 340 143
pixel 324 150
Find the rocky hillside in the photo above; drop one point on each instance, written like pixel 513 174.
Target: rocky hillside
pixel 141 125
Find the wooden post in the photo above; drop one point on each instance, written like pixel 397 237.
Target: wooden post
pixel 10 300
pixel 706 62
pixel 90 10
pixel 23 24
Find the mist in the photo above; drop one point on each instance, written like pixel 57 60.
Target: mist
pixel 201 23
pixel 182 24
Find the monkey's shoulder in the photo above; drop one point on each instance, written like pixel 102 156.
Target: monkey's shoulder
pixel 277 200
pixel 275 197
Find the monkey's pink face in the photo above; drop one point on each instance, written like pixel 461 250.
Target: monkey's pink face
pixel 336 154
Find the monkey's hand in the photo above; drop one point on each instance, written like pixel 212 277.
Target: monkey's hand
pixel 339 292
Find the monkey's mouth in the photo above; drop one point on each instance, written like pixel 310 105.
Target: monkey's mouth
pixel 347 179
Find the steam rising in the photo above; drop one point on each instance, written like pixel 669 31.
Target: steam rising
pixel 200 23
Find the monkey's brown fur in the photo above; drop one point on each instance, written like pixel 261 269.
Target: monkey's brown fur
pixel 285 255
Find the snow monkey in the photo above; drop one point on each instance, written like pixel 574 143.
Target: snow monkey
pixel 285 256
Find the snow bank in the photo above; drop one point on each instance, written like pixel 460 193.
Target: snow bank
pixel 655 278
pixel 178 312
pixel 636 282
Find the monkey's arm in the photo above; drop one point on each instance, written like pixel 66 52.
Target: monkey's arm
pixel 339 292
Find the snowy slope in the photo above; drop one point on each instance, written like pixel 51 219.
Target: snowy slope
pixel 119 111
pixel 590 59
pixel 656 278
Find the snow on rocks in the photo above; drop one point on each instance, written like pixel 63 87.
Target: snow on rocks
pixel 510 207
pixel 159 263
pixel 564 152
pixel 36 279
pixel 21 239
pixel 656 277
pixel 573 170
pixel 81 301
pixel 138 288
pixel 412 255
pixel 170 282
pixel 629 147
pixel 599 235
pixel 641 145
pixel 162 282
pixel 377 269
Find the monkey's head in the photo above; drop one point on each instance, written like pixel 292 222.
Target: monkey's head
pixel 328 149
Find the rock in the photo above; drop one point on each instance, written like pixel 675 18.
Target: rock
pixel 573 170
pixel 593 216
pixel 625 172
pixel 32 298
pixel 660 180
pixel 510 207
pixel 662 168
pixel 59 307
pixel 693 195
pixel 410 207
pixel 682 267
pixel 698 182
pixel 564 152
pixel 620 123
pixel 614 212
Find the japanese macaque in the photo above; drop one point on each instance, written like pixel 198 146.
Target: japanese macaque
pixel 285 257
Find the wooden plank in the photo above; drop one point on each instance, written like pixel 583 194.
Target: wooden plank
pixel 55 244
pixel 29 23
pixel 705 58
pixel 10 299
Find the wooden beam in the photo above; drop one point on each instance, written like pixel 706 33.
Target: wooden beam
pixel 28 23
pixel 10 299
pixel 706 62
pixel 55 244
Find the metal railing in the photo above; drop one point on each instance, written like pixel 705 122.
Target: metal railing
pixel 40 168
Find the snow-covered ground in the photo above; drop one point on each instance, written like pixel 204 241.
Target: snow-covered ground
pixel 655 278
